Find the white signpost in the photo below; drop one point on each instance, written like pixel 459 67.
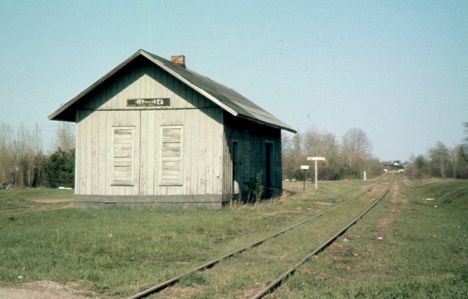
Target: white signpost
pixel 315 159
pixel 305 168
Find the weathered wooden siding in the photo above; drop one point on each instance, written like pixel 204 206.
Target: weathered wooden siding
pixel 251 139
pixel 106 108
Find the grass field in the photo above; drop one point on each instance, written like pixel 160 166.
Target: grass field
pixel 14 201
pixel 408 247
pixel 118 251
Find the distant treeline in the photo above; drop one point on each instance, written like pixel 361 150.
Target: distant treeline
pixel 350 156
pixel 347 158
pixel 24 164
pixel 441 161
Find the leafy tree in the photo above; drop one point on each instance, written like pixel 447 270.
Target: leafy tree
pixel 418 167
pixel 61 168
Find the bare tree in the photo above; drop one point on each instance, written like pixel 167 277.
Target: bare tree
pixel 466 131
pixel 440 161
pixel 25 147
pixel 323 145
pixel 293 154
pixel 348 159
pixel 6 153
pixel 356 148
pixel 458 160
pixel 19 151
pixel 65 139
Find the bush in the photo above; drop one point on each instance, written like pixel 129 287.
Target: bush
pixel 61 169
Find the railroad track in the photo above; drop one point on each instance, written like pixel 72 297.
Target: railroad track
pixel 280 279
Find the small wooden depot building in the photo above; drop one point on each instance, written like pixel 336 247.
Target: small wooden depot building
pixel 152 132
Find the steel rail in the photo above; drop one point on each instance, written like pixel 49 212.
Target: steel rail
pixel 280 279
pixel 162 285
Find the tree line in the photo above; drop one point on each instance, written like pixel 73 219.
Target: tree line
pixel 23 163
pixel 441 161
pixel 348 157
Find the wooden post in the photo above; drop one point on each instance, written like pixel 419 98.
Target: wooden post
pixel 315 174
pixel 303 187
pixel 305 168
pixel 315 159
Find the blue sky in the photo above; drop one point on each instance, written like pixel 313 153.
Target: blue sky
pixel 396 69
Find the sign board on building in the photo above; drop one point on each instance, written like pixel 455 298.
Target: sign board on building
pixel 152 102
pixel 305 167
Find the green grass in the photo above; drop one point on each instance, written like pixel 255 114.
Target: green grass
pixel 119 251
pixel 423 253
pixel 24 199
pixel 240 277
pixel 113 248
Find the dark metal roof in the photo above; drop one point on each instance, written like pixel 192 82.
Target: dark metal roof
pixel 225 97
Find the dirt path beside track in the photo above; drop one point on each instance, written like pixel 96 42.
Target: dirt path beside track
pixel 40 290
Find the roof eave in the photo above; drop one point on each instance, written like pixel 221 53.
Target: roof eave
pixel 286 128
pixel 54 115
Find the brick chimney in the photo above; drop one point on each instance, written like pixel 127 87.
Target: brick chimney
pixel 179 59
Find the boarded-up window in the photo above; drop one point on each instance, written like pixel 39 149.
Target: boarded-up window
pixel 171 156
pixel 122 156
